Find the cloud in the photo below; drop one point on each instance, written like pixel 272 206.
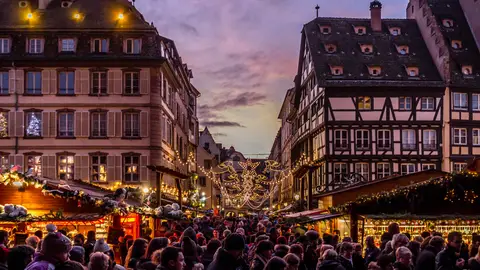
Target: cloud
pixel 241 100
pixel 213 123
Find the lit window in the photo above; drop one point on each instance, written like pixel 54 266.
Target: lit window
pixel 35 45
pixel 476 102
pixel 34 83
pixel 456 44
pixel 374 71
pixel 428 103
pixel 99 83
pixel 460 101
pixel 65 124
pixel 4 45
pixel 339 171
pixel 100 45
pixel 131 83
pixel 364 103
pixel 66 83
pixel 427 167
pixel 99 124
pixel 429 139
pixel 403 50
pixel 131 122
pixel 447 23
pixel 363 170
pixel 33 127
pixel 476 136
pixel 459 166
pixel 460 136
pixel 130 168
pixel 467 70
pixel 65 167
pixel 330 48
pixel 35 164
pixel 407 168
pixel 325 29
pixel 4 83
pixel 412 72
pixel 341 139
pixel 3 124
pixel 383 139
pixel 360 30
pixel 68 45
pixel 133 46
pixel 362 140
pixel 366 49
pixel 383 170
pixel 395 31
pixel 4 164
pixel 336 70
pixel 409 140
pixel 405 103
pixel 99 168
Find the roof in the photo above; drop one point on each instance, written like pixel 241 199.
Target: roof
pixel 287 100
pixel 385 55
pixel 469 54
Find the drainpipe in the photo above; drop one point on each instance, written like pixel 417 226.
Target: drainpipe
pixel 16 101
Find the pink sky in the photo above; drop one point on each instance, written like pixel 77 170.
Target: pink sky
pixel 244 56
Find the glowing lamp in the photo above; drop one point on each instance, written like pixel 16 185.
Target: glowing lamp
pixel 145 190
pixel 29 16
pixel 297 197
pixel 121 16
pixel 18 183
pixel 76 16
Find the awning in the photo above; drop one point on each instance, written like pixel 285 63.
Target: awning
pixel 324 217
pixel 308 213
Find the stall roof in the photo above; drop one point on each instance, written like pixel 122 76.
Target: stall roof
pixel 321 217
pixel 308 213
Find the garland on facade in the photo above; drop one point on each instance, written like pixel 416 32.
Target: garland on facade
pixel 458 187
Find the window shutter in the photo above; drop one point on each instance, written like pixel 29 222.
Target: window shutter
pixel 46 82
pixel 19 128
pixel 118 85
pixel 118 124
pixel 11 77
pixel 11 124
pixel 77 168
pixel 20 80
pixel 78 124
pixel 85 168
pixel 144 124
pixel 85 82
pixel 52 166
pixel 144 81
pixel 45 170
pixel 118 168
pixel 19 161
pixel 53 82
pixel 110 82
pixel 111 169
pixel 111 124
pixel 143 169
pixel 53 124
pixel 11 160
pixel 85 124
pixel 46 124
pixel 78 82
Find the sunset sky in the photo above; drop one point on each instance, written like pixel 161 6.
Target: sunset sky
pixel 244 55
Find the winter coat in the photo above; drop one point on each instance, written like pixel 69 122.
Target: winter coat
pixel 258 263
pixel 3 266
pixel 473 264
pixel 207 259
pixel 225 261
pixel 426 259
pixel 446 259
pixel 371 255
pixel 330 265
pixel 358 262
pixel 345 263
pixel 40 263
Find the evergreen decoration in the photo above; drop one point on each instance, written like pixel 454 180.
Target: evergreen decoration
pixel 34 126
pixel 3 125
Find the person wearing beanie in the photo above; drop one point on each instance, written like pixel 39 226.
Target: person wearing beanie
pixel 77 254
pixel 103 247
pixel 99 261
pixel 240 231
pixel 19 257
pixel 263 254
pixel 51 228
pixel 70 265
pixel 229 257
pixel 55 249
pixel 190 233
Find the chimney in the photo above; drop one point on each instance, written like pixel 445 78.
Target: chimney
pixel 376 15
pixel 42 4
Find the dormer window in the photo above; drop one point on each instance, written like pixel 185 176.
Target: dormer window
pixel 366 48
pixel 412 71
pixel 395 31
pixel 360 30
pixel 325 29
pixel 467 70
pixel 330 48
pixel 375 70
pixel 403 49
pixel 336 70
pixel 456 44
pixel 448 23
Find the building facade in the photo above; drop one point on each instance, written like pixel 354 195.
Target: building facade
pixel 208 157
pixel 90 91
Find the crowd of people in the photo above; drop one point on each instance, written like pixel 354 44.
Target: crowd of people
pixel 240 244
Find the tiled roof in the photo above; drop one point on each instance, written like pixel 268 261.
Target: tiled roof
pixel 385 55
pixel 469 53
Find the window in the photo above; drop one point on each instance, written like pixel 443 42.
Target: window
pixel 362 140
pixel 3 124
pixel 202 181
pixel 476 136
pixel 456 44
pixel 459 166
pixel 362 169
pixel 130 168
pixel 67 45
pixel 4 164
pixel 447 23
pixel 34 83
pixel 426 167
pixel 100 45
pixel 207 164
pixel 395 31
pixel 360 30
pixel 330 48
pixel 383 170
pixel 65 167
pixel 33 127
pixel 99 83
pixel 35 45
pixel 4 45
pixel 99 124
pixel 467 70
pixel 403 50
pixel 412 71
pixel 99 168
pixel 340 170
pixel 366 49
pixel 35 164
pixel 460 101
pixel 405 103
pixel 337 71
pixel 460 136
pixel 383 139
pixel 375 71
pixel 341 139
pixel 4 83
pixel 65 124
pixel 428 103
pixel 131 83
pixel 325 30
pixel 131 123
pixel 364 103
pixel 429 139
pixel 408 139
pixel 407 168
pixel 66 83
pixel 133 46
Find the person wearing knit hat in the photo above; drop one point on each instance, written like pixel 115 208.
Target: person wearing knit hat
pixel 263 253
pixel 240 231
pixel 55 249
pixel 51 228
pixel 101 246
pixel 77 254
pixel 226 233
pixel 229 257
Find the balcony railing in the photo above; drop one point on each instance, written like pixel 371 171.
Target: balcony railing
pixel 409 146
pixel 430 146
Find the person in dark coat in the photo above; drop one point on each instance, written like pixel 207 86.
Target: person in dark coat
pixel 448 259
pixel 404 259
pixel 346 255
pixel 330 261
pixel 230 256
pixel 263 254
pixel 426 259
pixel 371 252
pixel 212 247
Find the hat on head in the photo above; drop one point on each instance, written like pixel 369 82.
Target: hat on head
pixel 101 246
pixel 55 243
pixel 77 253
pixel 240 231
pixel 51 228
pixel 234 242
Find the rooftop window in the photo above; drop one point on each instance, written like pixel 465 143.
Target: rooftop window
pixel 467 70
pixel 374 70
pixel 456 44
pixel 366 48
pixel 330 48
pixel 412 71
pixel 336 70
pixel 447 23
pixel 395 31
pixel 360 30
pixel 403 49
pixel 325 29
